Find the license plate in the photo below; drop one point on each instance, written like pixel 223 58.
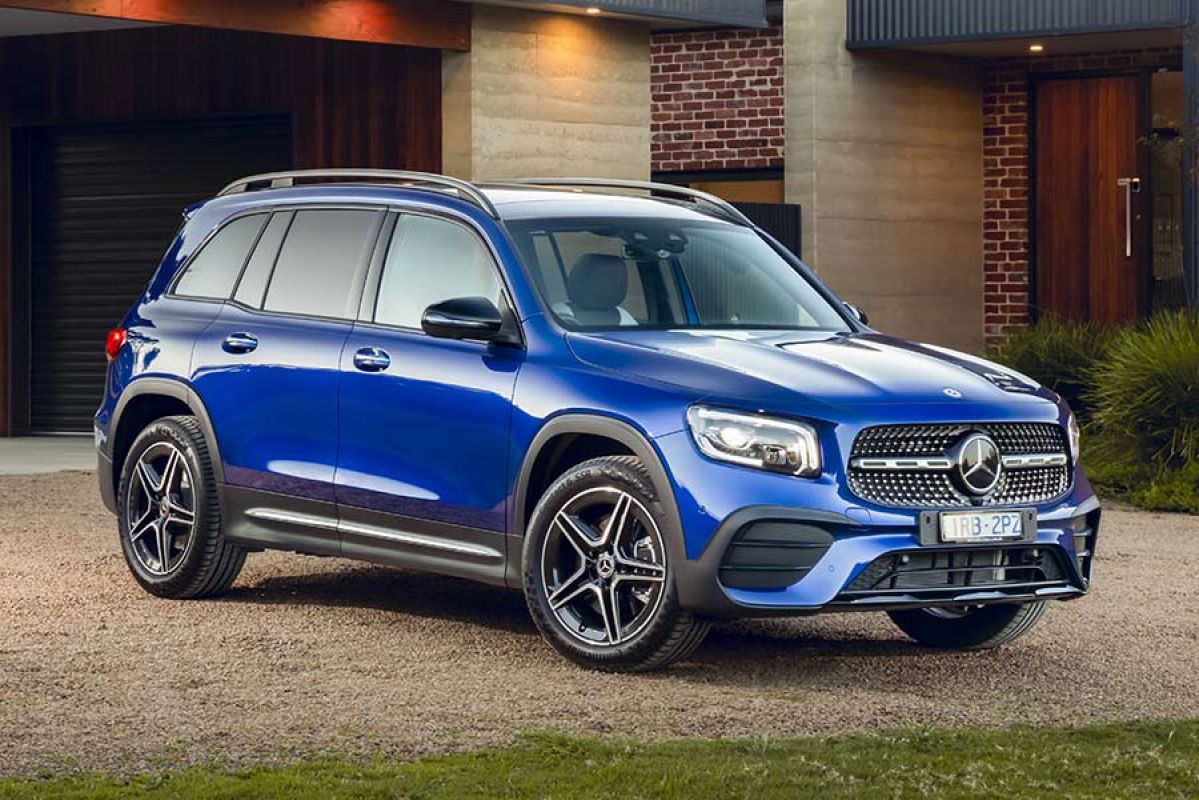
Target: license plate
pixel 981 526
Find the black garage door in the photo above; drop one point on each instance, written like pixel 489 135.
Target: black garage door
pixel 104 203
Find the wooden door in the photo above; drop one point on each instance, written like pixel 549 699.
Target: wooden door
pixel 1090 234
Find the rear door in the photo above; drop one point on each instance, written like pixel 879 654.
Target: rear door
pixel 267 368
pixel 422 473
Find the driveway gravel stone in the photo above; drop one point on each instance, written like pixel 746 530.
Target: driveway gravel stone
pixel 308 656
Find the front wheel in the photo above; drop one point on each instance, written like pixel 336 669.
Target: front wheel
pixel 598 578
pixel 968 628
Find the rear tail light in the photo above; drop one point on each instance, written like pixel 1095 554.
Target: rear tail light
pixel 114 343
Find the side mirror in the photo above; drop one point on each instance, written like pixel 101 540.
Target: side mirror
pixel 857 313
pixel 463 318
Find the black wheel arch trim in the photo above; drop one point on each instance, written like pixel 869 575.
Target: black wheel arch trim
pixel 163 387
pixel 593 425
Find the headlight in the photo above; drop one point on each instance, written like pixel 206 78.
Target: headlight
pixel 1075 436
pixel 755 441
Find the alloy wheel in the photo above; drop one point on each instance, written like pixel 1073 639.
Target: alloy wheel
pixel 160 509
pixel 603 566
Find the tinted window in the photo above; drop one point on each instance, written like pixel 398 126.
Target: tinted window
pixel 212 273
pixel 431 260
pixel 258 269
pixel 320 261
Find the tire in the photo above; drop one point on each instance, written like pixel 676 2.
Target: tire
pixel 171 452
pixel 628 568
pixel 978 628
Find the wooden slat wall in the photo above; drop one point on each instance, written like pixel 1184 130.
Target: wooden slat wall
pixel 351 104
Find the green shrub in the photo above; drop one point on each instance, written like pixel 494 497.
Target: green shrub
pixel 1060 355
pixel 1145 392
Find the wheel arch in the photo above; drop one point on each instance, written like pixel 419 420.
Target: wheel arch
pixel 147 399
pixel 630 440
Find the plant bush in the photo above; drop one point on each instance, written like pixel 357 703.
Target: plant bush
pixel 1136 390
pixel 1060 355
pixel 1146 391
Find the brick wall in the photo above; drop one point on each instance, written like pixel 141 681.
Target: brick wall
pixel 717 100
pixel 1006 174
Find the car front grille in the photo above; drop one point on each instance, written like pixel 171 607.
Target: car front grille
pixel 936 574
pixel 908 466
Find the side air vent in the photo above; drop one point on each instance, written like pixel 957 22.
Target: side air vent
pixel 772 555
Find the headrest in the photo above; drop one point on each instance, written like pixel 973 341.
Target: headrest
pixel 598 281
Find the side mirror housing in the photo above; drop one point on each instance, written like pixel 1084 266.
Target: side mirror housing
pixel 857 313
pixel 474 318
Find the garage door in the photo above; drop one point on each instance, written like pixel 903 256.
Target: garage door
pixel 105 202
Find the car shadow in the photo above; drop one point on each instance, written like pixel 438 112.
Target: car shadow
pixel 395 590
pixel 738 652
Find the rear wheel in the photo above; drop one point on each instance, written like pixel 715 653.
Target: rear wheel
pixel 597 573
pixel 169 515
pixel 968 628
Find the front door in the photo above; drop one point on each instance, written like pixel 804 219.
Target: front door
pixel 1091 240
pixel 422 468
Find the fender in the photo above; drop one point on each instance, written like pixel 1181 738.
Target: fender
pixel 178 390
pixel 593 425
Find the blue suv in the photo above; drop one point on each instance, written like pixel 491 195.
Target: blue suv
pixel 623 398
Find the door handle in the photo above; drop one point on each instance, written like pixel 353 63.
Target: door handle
pixel 239 343
pixel 1130 186
pixel 372 359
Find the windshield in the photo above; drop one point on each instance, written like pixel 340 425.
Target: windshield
pixel 602 274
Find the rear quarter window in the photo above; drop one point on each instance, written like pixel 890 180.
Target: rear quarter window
pixel 212 273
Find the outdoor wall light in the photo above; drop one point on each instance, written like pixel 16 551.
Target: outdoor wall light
pixel 1036 48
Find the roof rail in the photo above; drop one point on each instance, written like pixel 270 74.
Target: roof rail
pixel 721 207
pixel 417 180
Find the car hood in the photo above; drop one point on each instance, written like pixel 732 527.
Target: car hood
pixel 823 368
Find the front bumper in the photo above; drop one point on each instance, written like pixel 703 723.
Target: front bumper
pixel 762 544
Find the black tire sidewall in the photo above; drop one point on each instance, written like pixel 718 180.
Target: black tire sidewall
pixel 984 627
pixel 626 474
pixel 183 578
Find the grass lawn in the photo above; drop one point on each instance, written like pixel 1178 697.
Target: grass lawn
pixel 1135 760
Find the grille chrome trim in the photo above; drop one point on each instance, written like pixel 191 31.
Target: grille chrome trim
pixel 1009 462
pixel 1036 460
pixel 912 466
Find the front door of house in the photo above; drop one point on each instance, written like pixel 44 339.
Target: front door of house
pixel 1091 239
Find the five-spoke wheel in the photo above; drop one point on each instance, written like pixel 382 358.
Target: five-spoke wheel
pixel 603 564
pixel 597 567
pixel 160 508
pixel 169 513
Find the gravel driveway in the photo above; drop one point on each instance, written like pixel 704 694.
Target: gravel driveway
pixel 319 655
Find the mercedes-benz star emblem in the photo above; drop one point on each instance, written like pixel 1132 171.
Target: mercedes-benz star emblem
pixel 979 464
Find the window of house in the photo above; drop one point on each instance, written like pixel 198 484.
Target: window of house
pixel 320 261
pixel 212 273
pixel 431 260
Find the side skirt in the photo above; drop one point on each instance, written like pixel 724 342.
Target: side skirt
pixel 272 521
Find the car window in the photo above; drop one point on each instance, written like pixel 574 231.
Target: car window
pixel 319 262
pixel 258 269
pixel 596 274
pixel 430 260
pixel 212 273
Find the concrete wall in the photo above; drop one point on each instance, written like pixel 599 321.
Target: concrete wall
pixel 547 95
pixel 884 153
